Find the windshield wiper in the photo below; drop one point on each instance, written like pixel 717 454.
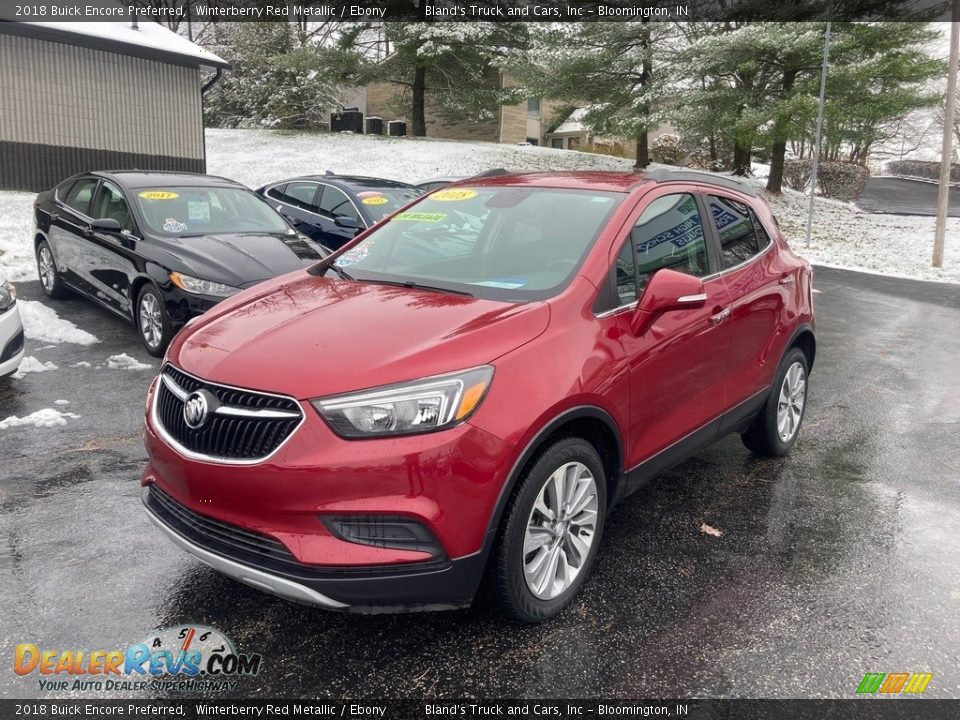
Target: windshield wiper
pixel 321 267
pixel 413 285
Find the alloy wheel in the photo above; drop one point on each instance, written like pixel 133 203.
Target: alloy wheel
pixel 151 322
pixel 793 395
pixel 560 530
pixel 47 269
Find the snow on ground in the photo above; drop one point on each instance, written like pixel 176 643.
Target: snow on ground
pixel 41 323
pixel 125 362
pixel 46 418
pixel 843 236
pixel 16 232
pixel 30 364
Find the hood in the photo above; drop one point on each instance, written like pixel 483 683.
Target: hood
pixel 240 259
pixel 315 336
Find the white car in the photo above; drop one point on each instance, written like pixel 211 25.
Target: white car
pixel 11 330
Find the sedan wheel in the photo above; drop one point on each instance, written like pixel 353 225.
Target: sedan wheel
pixel 50 279
pixel 550 531
pixel 152 322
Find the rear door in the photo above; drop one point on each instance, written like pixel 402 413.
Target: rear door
pixel 297 202
pixel 749 269
pixel 68 228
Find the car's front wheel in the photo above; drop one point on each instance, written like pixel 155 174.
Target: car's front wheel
pixel 50 279
pixel 550 532
pixel 153 323
pixel 775 429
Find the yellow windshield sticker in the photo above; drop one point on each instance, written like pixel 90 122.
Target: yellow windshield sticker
pixel 375 200
pixel 453 194
pixel 420 217
pixel 158 195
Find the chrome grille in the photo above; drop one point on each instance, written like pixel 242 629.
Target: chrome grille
pixel 245 426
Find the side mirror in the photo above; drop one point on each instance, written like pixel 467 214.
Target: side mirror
pixel 667 290
pixel 348 223
pixel 109 225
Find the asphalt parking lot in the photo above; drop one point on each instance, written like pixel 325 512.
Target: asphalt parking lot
pixel 838 560
pixel 902 196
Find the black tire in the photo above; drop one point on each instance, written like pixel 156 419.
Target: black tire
pixel 156 333
pixel 763 436
pixel 51 281
pixel 508 584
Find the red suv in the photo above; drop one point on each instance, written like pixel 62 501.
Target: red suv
pixel 466 389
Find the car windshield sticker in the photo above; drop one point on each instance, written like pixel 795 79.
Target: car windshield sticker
pixel 375 200
pixel 353 256
pixel 198 210
pixel 172 225
pixel 503 283
pixel 420 217
pixel 158 195
pixel 453 194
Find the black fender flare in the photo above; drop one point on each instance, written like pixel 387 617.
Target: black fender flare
pixel 798 331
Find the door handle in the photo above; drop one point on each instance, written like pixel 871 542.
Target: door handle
pixel 54 217
pixel 787 280
pixel 719 317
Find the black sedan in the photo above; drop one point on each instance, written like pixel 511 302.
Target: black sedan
pixel 333 209
pixel 160 248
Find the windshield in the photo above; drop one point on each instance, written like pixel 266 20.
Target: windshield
pixel 509 243
pixel 381 201
pixel 186 211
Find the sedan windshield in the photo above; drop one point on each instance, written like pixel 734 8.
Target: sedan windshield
pixel 186 211
pixel 380 201
pixel 510 243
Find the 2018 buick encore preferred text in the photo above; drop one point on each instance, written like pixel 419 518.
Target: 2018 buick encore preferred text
pixel 463 392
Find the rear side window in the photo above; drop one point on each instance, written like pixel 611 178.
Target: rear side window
pixel 80 195
pixel 301 195
pixel 737 228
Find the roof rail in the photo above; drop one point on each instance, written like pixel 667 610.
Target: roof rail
pixel 707 178
pixel 490 173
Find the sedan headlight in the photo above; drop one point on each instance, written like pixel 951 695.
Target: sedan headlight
pixel 414 407
pixel 202 287
pixel 8 296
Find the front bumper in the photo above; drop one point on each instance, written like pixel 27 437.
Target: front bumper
pixel 264 523
pixel 11 340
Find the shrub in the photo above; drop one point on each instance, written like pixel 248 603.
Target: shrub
pixel 842 181
pixel 666 149
pixel 921 168
pixel 797 173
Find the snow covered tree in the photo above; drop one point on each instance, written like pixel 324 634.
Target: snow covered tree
pixel 280 77
pixel 618 68
pixel 452 62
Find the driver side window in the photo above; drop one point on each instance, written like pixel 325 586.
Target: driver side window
pixel 110 203
pixel 669 234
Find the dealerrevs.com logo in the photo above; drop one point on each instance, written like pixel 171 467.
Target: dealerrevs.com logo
pixel 184 658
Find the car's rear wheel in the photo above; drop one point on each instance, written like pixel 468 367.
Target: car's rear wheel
pixel 550 532
pixel 153 323
pixel 50 279
pixel 775 429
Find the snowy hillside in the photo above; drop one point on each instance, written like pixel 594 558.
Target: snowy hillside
pixel 843 236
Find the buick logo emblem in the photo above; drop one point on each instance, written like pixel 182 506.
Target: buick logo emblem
pixel 196 409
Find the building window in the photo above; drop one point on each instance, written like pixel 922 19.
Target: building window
pixel 557 143
pixel 533 107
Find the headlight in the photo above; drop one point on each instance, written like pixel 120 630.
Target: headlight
pixel 8 296
pixel 202 287
pixel 415 407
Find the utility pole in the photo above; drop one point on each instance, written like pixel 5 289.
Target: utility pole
pixel 816 149
pixel 943 194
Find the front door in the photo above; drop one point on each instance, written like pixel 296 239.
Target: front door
pixel 679 363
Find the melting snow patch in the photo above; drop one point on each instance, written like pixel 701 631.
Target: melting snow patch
pixel 61 402
pixel 82 363
pixel 710 530
pixel 31 365
pixel 125 362
pixel 46 418
pixel 43 324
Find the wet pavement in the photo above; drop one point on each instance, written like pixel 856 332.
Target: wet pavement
pixel 838 560
pixel 902 196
